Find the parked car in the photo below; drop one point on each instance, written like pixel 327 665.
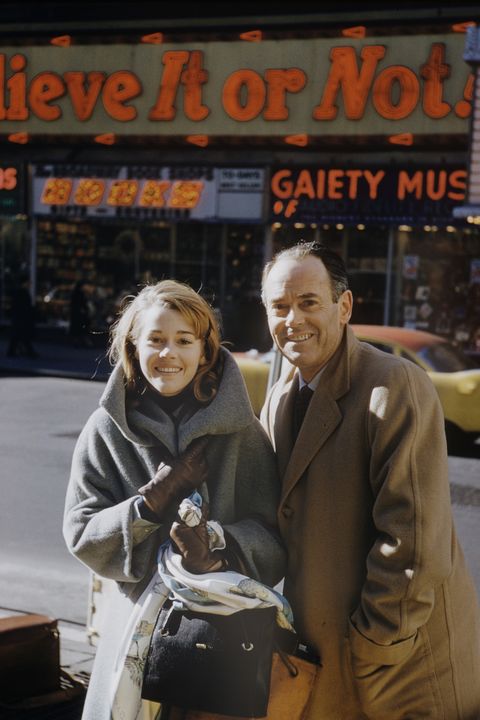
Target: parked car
pixel 455 376
pixel 255 368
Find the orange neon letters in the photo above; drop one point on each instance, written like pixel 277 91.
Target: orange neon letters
pixel 120 87
pixel 355 84
pixel 43 89
pixel 409 92
pixel 279 82
pixel 356 80
pixel 8 178
pixel 243 95
pixel 193 78
pixel 164 108
pixel 434 72
pixel 84 89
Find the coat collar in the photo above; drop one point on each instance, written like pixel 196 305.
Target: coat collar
pixel 230 411
pixel 322 417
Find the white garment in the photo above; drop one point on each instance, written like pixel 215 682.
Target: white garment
pixel 221 593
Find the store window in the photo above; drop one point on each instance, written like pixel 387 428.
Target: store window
pixel 440 281
pixel 365 252
pixel 244 320
pixel 14 259
pixel 197 257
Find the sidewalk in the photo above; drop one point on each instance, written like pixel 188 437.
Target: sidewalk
pixel 57 357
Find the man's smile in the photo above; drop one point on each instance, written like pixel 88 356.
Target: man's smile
pixel 299 338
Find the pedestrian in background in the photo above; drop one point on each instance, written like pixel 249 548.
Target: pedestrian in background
pixel 22 320
pixel 79 316
pixel 175 417
pixel 376 577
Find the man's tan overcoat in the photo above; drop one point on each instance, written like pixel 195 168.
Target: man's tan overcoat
pixel 376 577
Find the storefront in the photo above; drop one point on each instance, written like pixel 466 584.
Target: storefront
pixel 197 157
pixel 15 253
pixel 409 262
pixel 119 227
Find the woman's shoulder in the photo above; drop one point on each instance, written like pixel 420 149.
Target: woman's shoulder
pixel 99 425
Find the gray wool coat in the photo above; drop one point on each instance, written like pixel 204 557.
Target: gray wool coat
pixel 118 451
pixel 376 576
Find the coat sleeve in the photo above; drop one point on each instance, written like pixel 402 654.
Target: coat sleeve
pixel 411 551
pixel 257 494
pixel 101 525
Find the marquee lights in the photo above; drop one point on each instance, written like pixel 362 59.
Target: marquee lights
pixel 152 38
pixel 359 31
pixel 149 193
pixel 252 36
pixel 200 140
pixel 21 138
pixel 463 26
pixel 401 139
pixel 61 41
pixel 106 139
pixel 300 140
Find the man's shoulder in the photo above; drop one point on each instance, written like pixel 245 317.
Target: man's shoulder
pixel 381 365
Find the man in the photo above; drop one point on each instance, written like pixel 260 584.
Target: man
pixel 376 577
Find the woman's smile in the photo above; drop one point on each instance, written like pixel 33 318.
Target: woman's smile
pixel 168 350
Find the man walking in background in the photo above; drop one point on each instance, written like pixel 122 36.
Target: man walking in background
pixel 376 576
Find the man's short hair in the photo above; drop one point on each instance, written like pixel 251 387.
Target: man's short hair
pixel 332 261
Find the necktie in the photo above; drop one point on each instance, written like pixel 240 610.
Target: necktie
pixel 302 400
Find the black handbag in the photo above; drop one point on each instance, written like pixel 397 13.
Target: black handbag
pixel 215 663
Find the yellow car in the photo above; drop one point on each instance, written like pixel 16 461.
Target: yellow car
pixel 454 375
pixel 255 369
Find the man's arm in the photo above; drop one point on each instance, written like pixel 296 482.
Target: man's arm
pixel 410 556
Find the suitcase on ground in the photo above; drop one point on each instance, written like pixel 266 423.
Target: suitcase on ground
pixel 29 656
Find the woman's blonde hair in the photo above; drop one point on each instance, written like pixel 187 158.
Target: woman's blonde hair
pixel 125 331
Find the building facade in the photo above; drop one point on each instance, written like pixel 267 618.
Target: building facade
pixel 195 148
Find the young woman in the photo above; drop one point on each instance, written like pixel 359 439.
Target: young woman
pixel 175 417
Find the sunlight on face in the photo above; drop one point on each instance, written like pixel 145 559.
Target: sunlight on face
pixel 305 323
pixel 168 350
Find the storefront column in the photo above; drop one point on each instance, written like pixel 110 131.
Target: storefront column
pixel 33 258
pixel 173 249
pixel 223 266
pixel 388 278
pixel 268 244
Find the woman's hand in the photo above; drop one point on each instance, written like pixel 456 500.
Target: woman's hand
pixel 193 543
pixel 176 480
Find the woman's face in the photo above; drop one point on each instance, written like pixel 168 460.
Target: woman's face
pixel 168 350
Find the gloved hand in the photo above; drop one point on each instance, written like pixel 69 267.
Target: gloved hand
pixel 194 546
pixel 176 480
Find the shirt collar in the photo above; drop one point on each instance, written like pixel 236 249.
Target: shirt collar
pixel 313 384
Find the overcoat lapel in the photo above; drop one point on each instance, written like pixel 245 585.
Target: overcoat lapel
pixel 322 417
pixel 283 425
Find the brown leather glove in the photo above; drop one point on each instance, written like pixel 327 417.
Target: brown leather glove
pixel 176 480
pixel 193 545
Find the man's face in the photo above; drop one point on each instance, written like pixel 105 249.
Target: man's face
pixel 305 323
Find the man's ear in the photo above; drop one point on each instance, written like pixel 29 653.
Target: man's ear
pixel 345 304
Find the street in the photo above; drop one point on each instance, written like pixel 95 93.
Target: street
pixel 40 419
